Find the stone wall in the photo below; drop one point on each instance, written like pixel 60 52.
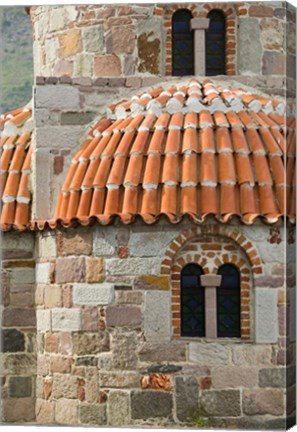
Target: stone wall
pixel 106 351
pixel 18 324
pixel 121 40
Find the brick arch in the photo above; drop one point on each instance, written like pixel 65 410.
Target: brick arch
pixel 243 242
pixel 230 14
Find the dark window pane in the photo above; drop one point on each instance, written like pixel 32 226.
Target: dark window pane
pixel 192 302
pixel 182 44
pixel 215 44
pixel 228 302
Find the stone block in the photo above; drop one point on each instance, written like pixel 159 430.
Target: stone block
pixel 70 43
pixel 118 408
pixel 92 414
pixel 123 379
pixel 44 411
pixel 65 386
pixel 54 137
pixel 130 64
pixel 129 297
pixel 250 355
pixel 24 300
pixel 19 317
pixel 59 97
pixel 123 40
pixel 272 377
pixel 51 47
pixel 86 361
pixel 186 389
pixel 269 281
pixel 157 316
pixel 132 266
pixel 15 246
pixel 209 353
pixel 93 294
pixel 20 387
pixel 66 319
pixel 151 404
pixel 51 342
pixel 221 403
pixel 104 242
pixel 57 19
pixel 249 46
pixel 12 340
pixel 292 316
pixel 107 65
pixel 90 319
pixel 22 276
pixel 75 243
pixel 124 348
pixel 94 269
pixel 52 296
pixel 149 244
pixel 64 70
pixel 93 38
pixel 163 352
pixel 105 361
pixel 18 410
pixel 43 317
pixel 121 316
pixel 19 364
pixel 234 376
pixel 60 364
pixel 272 34
pixel 266 318
pixel 90 343
pixel 133 81
pixel 47 246
pixel 274 63
pixel 152 282
pixel 260 11
pixel 263 401
pixel 66 411
pixel 70 270
pixel 43 365
pixel 148 45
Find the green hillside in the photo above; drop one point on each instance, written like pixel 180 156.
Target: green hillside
pixel 16 58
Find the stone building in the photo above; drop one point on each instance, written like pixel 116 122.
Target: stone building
pixel 148 218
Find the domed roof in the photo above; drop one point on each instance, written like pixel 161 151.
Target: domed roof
pixel 15 165
pixel 198 150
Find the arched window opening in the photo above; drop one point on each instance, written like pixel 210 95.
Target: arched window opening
pixel 182 44
pixel 215 41
pixel 228 302
pixel 192 302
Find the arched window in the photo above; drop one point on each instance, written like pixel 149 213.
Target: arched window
pixel 215 44
pixel 228 302
pixel 192 302
pixel 182 44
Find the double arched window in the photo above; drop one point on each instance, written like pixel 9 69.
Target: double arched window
pixel 215 44
pixel 196 307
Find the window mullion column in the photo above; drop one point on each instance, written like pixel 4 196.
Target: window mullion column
pixel 199 25
pixel 210 284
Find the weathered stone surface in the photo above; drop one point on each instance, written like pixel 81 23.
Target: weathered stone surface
pixel 70 43
pixel 19 317
pixel 132 266
pixel 272 377
pixel 70 270
pixel 107 65
pixel 75 243
pixel 123 316
pixel 44 411
pixel 66 411
pixel 123 347
pixel 58 97
pixel 149 53
pixel 221 403
pixel 118 408
pixel 63 68
pixel 83 65
pixel 65 386
pixel 92 414
pixel 18 410
pixel 272 34
pixel 123 40
pixel 151 404
pixel 269 281
pixel 123 379
pixel 230 377
pixel 44 322
pixel 86 361
pixel 52 296
pixel 90 318
pixel 260 11
pixel 12 340
pixel 20 387
pixel 47 246
pixel 249 46
pixel 95 270
pixel 266 315
pixel 104 242
pixel 157 316
pixel 76 118
pixel 156 381
pixel 105 361
pixel 22 276
pixel 209 353
pixel 186 397
pixel 93 38
pixel 19 364
pixel 129 69
pixel 22 299
pixel 64 319
pixel 250 355
pixel 273 63
pixel 263 401
pixel 60 364
pixel 57 19
pixel 164 352
pixel 93 294
pixel 164 368
pixel 51 342
pixel 51 47
pixel 90 343
pixel 43 365
pixel 152 282
pixel 129 297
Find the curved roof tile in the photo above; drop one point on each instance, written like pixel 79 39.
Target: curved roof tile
pixel 15 165
pixel 203 149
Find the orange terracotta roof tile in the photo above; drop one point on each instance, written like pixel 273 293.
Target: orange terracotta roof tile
pixel 223 155
pixel 15 165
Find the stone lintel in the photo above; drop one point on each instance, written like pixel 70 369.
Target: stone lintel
pixel 199 23
pixel 210 280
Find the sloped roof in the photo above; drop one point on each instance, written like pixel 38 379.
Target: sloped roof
pixel 198 150
pixel 15 165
